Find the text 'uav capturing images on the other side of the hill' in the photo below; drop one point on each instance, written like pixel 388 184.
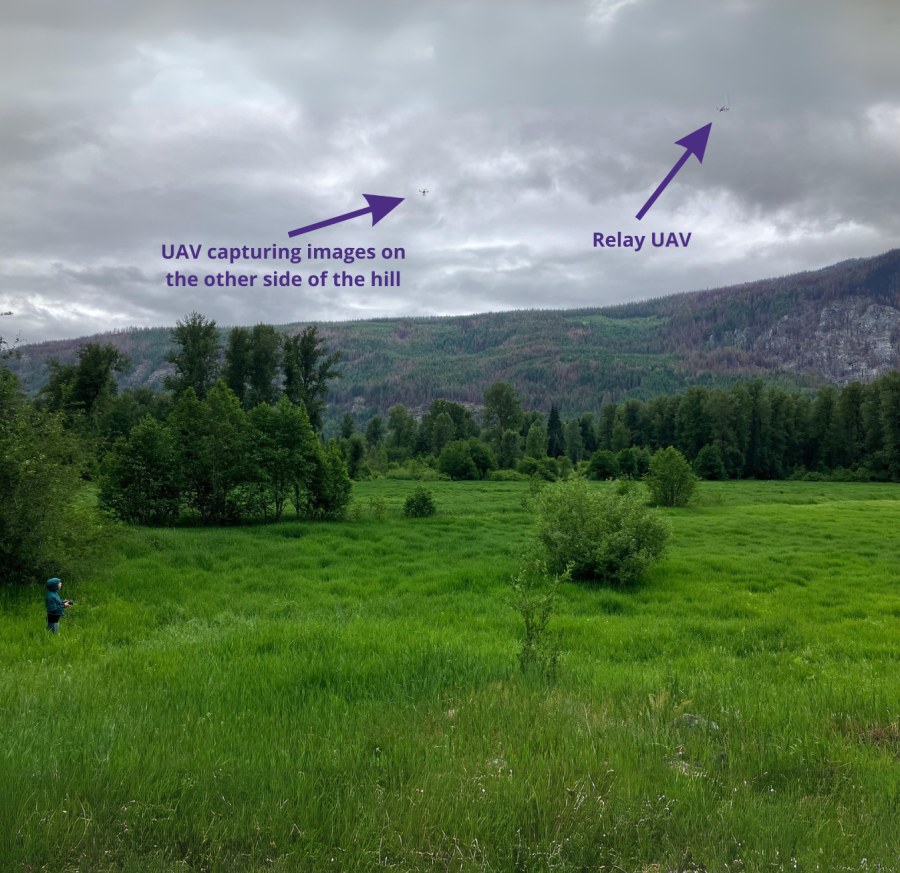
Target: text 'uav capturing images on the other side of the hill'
pixel 339 278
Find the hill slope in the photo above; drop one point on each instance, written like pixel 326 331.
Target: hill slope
pixel 837 324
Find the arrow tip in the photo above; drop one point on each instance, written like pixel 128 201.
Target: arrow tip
pixel 696 142
pixel 381 206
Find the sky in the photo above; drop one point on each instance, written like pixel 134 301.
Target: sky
pixel 127 127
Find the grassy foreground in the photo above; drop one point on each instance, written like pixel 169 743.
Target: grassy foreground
pixel 345 697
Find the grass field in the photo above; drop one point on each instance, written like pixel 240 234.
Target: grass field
pixel 345 696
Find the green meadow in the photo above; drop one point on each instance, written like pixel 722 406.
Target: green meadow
pixel 345 696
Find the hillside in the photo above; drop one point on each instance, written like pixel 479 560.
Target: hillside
pixel 836 324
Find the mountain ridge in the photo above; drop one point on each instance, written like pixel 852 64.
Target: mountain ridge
pixel 837 323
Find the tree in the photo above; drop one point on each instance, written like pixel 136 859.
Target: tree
pixel 510 449
pixel 140 480
pixel 574 443
pixel 197 359
pixel 556 440
pixel 502 407
pixel 353 451
pixel 456 461
pixel 588 434
pixel 708 464
pixel 627 462
pixel 603 465
pixel 598 536
pixel 443 431
pixel 402 432
pixel 308 368
pixel 536 441
pixel 330 488
pixel 46 527
pixel 348 426
pixel 265 361
pixel 621 437
pixel 212 440
pixel 670 480
pixel 236 372
pixel 85 386
pixel 482 456
pixel 375 431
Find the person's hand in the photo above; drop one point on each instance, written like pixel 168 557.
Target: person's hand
pixel 68 602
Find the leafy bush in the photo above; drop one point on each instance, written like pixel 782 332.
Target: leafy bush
pixel 671 480
pixel 420 504
pixel 600 536
pixel 603 465
pixel 456 461
pixel 546 468
pixel 709 464
pixel 507 476
pixel 378 508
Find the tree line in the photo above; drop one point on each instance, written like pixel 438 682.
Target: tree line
pixel 749 430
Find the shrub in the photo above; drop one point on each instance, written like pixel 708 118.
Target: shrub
pixel 420 504
pixel 506 476
pixel 600 536
pixel 709 464
pixel 546 468
pixel 603 465
pixel 671 480
pixel 540 648
pixel 378 508
pixel 456 461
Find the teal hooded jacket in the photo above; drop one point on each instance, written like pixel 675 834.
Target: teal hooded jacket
pixel 54 604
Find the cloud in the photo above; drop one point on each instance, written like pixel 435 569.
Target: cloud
pixel 532 124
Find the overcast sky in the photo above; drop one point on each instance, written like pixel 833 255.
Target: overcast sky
pixel 128 125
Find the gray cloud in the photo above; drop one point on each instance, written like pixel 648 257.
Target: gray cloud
pixel 124 127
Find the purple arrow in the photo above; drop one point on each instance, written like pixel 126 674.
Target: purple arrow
pixel 379 207
pixel 695 143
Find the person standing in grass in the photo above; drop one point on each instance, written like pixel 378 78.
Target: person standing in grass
pixel 55 607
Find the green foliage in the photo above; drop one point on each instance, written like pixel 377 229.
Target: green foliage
pixel 330 487
pixel 534 598
pixel 141 476
pixel 536 441
pixel 308 370
pixel 443 431
pixel 420 503
pixel 556 440
pixel 45 526
pixel 84 388
pixel 502 407
pixel 510 449
pixel 544 468
pixel 375 431
pixel 348 426
pixel 671 480
pixel 709 464
pixel 603 465
pixel 456 461
pixel 213 443
pixel 378 508
pixel 196 358
pixel 600 536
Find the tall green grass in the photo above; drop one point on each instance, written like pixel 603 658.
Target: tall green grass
pixel 345 697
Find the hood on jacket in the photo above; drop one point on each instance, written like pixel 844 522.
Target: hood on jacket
pixel 53 584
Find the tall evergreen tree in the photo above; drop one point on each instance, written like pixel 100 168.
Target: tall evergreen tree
pixel 556 438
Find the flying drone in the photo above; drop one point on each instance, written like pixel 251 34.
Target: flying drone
pixel 726 107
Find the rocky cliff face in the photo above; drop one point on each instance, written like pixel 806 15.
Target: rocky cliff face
pixel 845 340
